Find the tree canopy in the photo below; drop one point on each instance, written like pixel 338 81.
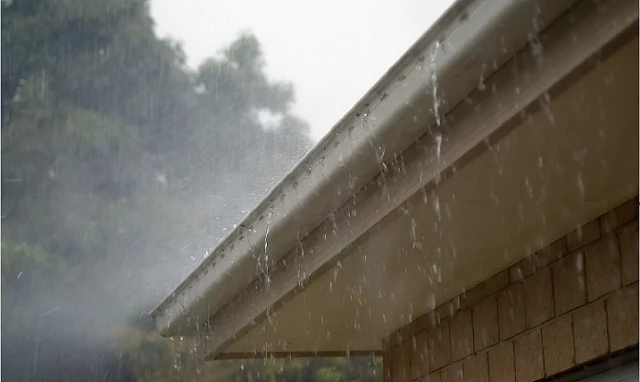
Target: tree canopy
pixel 121 167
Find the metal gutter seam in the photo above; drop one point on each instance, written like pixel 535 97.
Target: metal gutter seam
pixel 470 41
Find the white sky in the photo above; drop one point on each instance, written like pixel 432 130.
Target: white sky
pixel 332 50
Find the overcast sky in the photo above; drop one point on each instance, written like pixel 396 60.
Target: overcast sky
pixel 332 50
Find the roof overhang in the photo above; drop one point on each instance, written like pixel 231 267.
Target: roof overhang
pixel 394 146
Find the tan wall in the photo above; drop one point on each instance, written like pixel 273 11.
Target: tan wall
pixel 569 304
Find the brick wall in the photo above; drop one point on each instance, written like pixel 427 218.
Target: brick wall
pixel 571 303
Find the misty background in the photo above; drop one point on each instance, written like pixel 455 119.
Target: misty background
pixel 134 136
pixel 332 50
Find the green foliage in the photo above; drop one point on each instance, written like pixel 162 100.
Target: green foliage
pixel 329 374
pixel 336 369
pixel 116 158
pixel 18 258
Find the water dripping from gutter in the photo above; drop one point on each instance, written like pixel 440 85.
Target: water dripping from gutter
pixel 434 82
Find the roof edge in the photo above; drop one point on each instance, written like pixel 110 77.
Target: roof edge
pixel 468 42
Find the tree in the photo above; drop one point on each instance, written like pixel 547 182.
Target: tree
pixel 120 167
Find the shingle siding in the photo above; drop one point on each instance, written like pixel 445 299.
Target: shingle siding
pixel 568 304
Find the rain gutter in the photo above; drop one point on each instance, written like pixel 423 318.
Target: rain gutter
pixel 468 43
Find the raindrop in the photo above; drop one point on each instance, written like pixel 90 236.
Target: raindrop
pixel 434 82
pixel 431 302
pixel 481 85
pixel 579 263
pixel 609 79
pixel 529 187
pixel 545 103
pixel 580 183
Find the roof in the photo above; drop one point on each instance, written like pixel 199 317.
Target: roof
pixel 470 41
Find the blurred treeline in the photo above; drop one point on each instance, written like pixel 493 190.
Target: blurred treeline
pixel 121 168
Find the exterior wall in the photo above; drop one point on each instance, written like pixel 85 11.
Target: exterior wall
pixel 571 303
